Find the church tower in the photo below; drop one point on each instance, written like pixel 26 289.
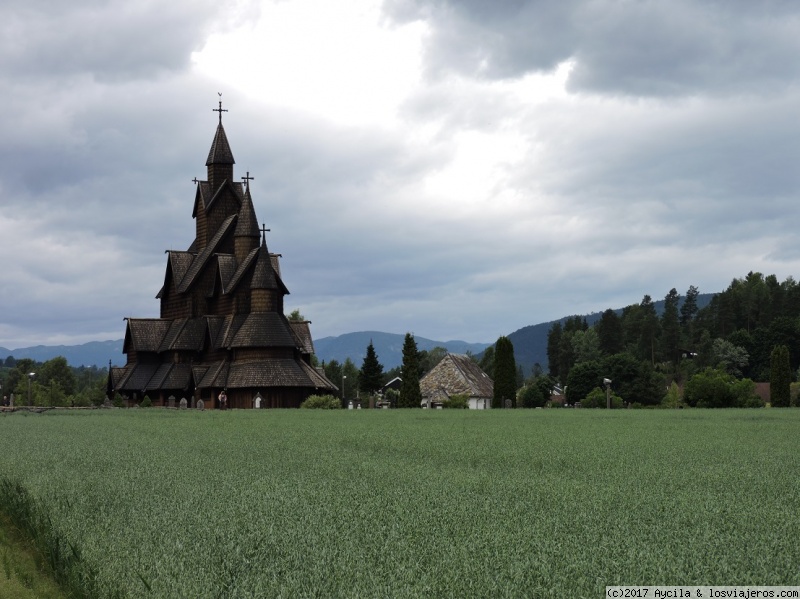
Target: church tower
pixel 222 325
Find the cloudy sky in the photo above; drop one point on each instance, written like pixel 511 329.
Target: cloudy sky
pixel 458 170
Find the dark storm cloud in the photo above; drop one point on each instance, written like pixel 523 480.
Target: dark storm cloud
pixel 637 48
pixel 111 40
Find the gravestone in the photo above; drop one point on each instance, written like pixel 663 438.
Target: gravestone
pixel 200 404
pixel 183 403
pixel 508 403
pixel 171 401
pixel 257 401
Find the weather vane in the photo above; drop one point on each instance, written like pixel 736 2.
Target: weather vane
pixel 220 110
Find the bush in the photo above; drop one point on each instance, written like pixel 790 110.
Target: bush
pixel 597 399
pixel 392 396
pixel 146 402
pixel 717 389
pixel 531 396
pixel 672 399
pixel 458 402
pixel 322 402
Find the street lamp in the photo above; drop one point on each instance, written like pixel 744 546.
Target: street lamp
pixel 30 378
pixel 343 378
pixel 607 383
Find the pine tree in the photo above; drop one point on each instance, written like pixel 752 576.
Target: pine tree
pixel 410 394
pixel 505 372
pixel 370 377
pixel 780 377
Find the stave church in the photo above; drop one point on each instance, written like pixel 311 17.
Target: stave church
pixel 222 326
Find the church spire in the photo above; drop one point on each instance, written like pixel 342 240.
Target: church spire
pixel 220 158
pixel 246 234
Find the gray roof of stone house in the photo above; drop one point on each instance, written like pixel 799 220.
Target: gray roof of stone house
pixel 457 374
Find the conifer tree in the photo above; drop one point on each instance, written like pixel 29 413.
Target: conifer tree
pixel 505 372
pixel 410 394
pixel 780 377
pixel 370 377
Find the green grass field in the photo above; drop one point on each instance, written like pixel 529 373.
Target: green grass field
pixel 409 503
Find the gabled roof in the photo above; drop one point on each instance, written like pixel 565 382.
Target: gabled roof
pixel 241 270
pixel 170 376
pixel 138 377
pixel 205 197
pixel 276 372
pixel 276 263
pixel 302 333
pixel 180 263
pixel 226 265
pixel 263 273
pixel 220 152
pixel 184 334
pixel 202 258
pixel 264 329
pixel 457 374
pixel 145 334
pixel 247 226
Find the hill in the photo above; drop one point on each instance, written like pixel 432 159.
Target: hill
pixel 388 347
pixel 530 343
pixel 94 353
pixel 530 346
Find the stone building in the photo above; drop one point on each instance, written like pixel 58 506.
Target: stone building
pixel 457 374
pixel 222 325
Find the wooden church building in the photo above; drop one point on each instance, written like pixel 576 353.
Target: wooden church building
pixel 222 324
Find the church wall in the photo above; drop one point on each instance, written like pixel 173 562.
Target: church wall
pixel 223 207
pixel 277 397
pixel 201 227
pixel 218 173
pixel 220 305
pixel 176 306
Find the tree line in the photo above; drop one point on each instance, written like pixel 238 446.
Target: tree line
pixel 52 383
pixel 749 332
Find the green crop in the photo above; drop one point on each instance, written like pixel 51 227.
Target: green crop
pixel 406 503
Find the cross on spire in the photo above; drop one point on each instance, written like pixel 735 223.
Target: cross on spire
pixel 247 179
pixel 263 230
pixel 220 110
pixel 195 180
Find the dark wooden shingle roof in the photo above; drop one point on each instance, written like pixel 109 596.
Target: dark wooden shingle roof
pixel 220 152
pixel 145 334
pixel 267 329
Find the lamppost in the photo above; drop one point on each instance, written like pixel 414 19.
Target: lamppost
pixel 343 379
pixel 30 378
pixel 607 383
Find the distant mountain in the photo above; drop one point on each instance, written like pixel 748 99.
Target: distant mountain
pixel 94 353
pixel 530 345
pixel 388 347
